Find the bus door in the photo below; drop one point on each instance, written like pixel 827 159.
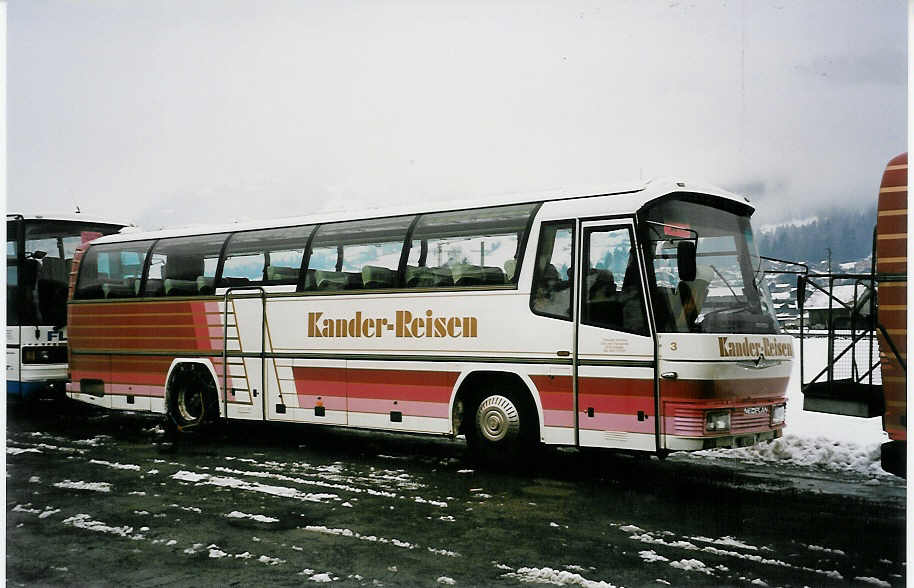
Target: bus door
pixel 246 383
pixel 614 352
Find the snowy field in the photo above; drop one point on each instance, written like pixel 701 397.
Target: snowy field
pixel 816 439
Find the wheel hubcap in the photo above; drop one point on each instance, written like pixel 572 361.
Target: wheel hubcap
pixel 497 419
pixel 190 405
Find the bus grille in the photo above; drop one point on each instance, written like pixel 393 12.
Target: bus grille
pixel 690 421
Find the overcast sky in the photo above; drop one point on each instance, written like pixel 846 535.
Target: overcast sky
pixel 174 112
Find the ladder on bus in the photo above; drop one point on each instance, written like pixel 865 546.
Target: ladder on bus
pixel 848 331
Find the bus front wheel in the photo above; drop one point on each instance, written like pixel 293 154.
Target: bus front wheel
pixel 499 426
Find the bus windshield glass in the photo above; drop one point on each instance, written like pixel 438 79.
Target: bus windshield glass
pixel 44 269
pixel 728 293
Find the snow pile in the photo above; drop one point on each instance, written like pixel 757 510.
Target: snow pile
pixel 42 514
pixel 84 521
pixel 21 450
pixel 873 581
pixel 226 482
pixel 243 515
pixel 828 453
pixel 375 539
pixel 651 538
pixel 115 465
pixel 555 577
pixel 93 486
pixel 651 556
pixel 692 565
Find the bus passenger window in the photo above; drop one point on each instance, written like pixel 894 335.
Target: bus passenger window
pixel 184 266
pixel 357 255
pixel 611 295
pixel 468 248
pixel 551 294
pixel 265 257
pixel 112 271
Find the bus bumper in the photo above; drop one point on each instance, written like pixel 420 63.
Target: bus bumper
pixel 55 389
pixel 725 441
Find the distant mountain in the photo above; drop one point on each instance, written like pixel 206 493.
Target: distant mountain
pixel 848 233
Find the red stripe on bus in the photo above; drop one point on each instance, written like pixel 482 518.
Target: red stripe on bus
pixel 894 177
pixel 892 225
pixel 893 200
pixel 319 381
pixel 423 386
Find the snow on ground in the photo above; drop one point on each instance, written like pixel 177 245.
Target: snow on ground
pixel 830 441
pixel 80 485
pixel 554 577
pixel 667 540
pixel 243 515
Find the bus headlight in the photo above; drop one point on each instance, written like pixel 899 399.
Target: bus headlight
pixel 777 414
pixel 44 354
pixel 718 420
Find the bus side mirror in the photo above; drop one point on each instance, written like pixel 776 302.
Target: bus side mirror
pixel 685 259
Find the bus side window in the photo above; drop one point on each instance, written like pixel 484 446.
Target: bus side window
pixel 270 257
pixel 357 255
pixel 184 266
pixel 112 271
pixel 611 295
pixel 551 294
pixel 468 247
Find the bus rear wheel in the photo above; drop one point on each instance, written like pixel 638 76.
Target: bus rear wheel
pixel 500 427
pixel 192 398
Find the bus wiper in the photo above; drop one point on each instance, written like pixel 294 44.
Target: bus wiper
pixel 755 276
pixel 732 291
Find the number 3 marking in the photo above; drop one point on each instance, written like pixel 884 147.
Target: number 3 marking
pixel 673 346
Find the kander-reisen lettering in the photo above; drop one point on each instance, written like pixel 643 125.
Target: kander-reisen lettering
pixel 770 348
pixel 404 325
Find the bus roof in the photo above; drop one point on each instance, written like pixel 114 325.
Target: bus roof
pixel 645 191
pixel 67 217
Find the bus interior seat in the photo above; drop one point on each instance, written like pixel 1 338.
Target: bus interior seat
pixel 374 276
pixel 510 268
pixel 206 285
pixel 602 303
pixel 330 280
pixel 181 273
pixel 493 275
pixel 126 289
pixel 353 280
pixel 154 287
pixel 692 293
pixel 419 277
pixel 310 280
pixel 467 275
pixel 475 275
pixel 428 277
pixel 601 285
pixel 279 273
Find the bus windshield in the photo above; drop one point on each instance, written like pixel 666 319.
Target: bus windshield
pixel 38 292
pixel 728 293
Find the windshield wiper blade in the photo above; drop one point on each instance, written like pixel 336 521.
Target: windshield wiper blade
pixel 732 291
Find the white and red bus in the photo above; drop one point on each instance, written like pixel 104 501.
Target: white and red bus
pixel 39 254
pixel 633 319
